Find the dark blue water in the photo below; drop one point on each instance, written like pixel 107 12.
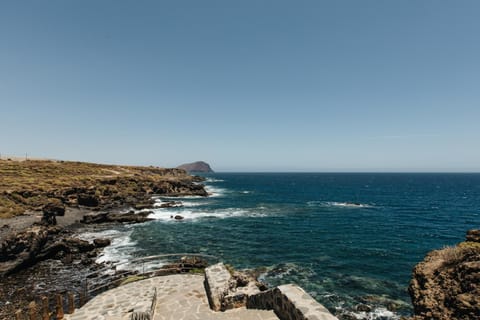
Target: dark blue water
pixel 346 238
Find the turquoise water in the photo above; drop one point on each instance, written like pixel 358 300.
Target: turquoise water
pixel 346 238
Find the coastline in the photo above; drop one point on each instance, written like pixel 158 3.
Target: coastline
pixel 231 200
pixel 42 251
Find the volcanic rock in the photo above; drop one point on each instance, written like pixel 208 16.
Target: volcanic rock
pixel 446 284
pixel 37 243
pixel 199 166
pixel 101 242
pixel 473 235
pixel 87 200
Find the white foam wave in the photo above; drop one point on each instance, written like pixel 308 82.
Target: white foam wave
pixel 379 313
pixel 193 203
pixel 91 235
pixel 338 204
pixel 189 214
pixel 214 191
pixel 213 180
pixel 120 250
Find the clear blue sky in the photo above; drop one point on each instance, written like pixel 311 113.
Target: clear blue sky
pixel 244 85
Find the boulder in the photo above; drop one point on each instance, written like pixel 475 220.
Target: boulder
pixel 95 217
pixel 178 217
pixel 88 200
pixel 56 209
pixel 473 235
pixel 101 242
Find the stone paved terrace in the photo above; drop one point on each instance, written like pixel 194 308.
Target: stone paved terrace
pixel 179 297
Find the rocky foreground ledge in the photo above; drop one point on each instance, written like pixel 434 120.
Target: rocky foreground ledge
pixel 446 284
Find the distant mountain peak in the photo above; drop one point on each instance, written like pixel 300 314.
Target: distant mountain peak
pixel 198 166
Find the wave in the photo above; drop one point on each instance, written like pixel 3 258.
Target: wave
pixel 379 313
pixel 213 180
pixel 338 204
pixel 188 214
pixel 215 191
pixel 121 248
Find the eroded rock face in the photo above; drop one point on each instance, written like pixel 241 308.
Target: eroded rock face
pixel 446 284
pixel 108 217
pixel 37 243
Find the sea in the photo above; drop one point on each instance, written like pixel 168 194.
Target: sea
pixel 349 239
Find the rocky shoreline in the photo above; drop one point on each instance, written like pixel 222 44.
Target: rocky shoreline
pixel 40 252
pixel 446 284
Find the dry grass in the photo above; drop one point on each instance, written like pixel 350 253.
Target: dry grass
pixel 451 255
pixel 28 185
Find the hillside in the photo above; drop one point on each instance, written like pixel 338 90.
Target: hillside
pixel 199 166
pixel 29 185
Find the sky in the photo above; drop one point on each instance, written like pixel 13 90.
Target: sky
pixel 247 85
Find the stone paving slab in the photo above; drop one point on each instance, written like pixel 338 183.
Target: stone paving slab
pixel 179 297
pixel 182 297
pixel 118 303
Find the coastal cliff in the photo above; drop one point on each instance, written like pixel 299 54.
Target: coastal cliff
pixel 28 186
pixel 446 284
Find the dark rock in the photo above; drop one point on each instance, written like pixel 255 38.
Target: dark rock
pixel 171 204
pixel 51 211
pixel 101 242
pixel 199 179
pixel 144 205
pixel 48 219
pixel 97 217
pixel 88 200
pixel 178 217
pixel 56 209
pixel 363 308
pixel 37 243
pixel 179 188
pixel 473 235
pixel 79 245
pixel 104 217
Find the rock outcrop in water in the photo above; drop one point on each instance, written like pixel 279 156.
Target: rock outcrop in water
pixel 446 284
pixel 199 166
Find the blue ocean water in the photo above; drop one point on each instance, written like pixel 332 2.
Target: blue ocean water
pixel 346 238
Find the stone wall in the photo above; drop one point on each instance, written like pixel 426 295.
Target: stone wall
pixel 217 282
pixel 289 302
